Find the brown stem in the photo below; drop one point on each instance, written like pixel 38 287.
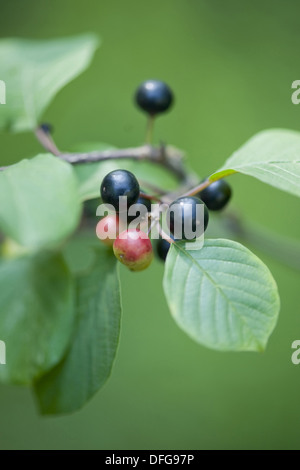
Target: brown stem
pixel 148 196
pixel 169 157
pixel 185 189
pixel 166 156
pixel 144 152
pixel 197 189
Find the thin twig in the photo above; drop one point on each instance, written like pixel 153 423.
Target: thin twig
pixel 152 187
pixel 187 187
pixel 149 197
pixel 186 190
pixel 144 152
pixel 197 189
pixel 149 129
pixel 168 158
pixel 164 235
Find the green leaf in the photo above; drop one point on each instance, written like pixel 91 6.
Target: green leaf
pixel 89 360
pixel 36 315
pixel 81 251
pixel 90 175
pixel 40 201
pixel 34 72
pixel 223 296
pixel 272 156
pixel 281 248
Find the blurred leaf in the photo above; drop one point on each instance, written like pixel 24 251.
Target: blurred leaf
pixel 223 296
pixel 272 156
pixel 90 175
pixel 35 70
pixel 40 201
pixel 81 251
pixel 36 315
pixel 89 360
pixel 282 248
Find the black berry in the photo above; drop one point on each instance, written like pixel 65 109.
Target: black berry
pixel 216 195
pixel 184 221
pixel 143 209
pixel 162 248
pixel 48 128
pixel 119 183
pixel 154 96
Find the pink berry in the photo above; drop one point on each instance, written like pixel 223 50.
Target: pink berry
pixel 108 229
pixel 134 249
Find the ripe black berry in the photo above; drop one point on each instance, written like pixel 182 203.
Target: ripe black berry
pixel 154 96
pixel 144 207
pixel 185 222
pixel 119 183
pixel 216 195
pixel 162 248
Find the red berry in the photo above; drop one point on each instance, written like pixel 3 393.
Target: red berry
pixel 108 229
pixel 134 249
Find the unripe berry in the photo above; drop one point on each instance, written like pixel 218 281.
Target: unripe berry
pixel 108 229
pixel 133 248
pixel 216 195
pixel 119 183
pixel 154 96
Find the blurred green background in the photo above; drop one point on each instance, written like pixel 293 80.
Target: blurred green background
pixel 231 65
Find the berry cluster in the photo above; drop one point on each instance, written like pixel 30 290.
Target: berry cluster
pixel 121 192
pixel 131 246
